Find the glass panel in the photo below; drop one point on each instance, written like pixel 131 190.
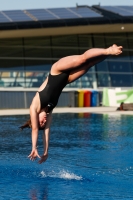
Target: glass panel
pixel 11 48
pixel 75 84
pixel 38 56
pixel 119 63
pixel 85 12
pixel 38 66
pixel 128 8
pixel 37 47
pixel 35 75
pixel 3 18
pixel 98 41
pixel 27 62
pixel 85 43
pixel 38 60
pixel 35 78
pixel 12 79
pixel 119 39
pixel 102 66
pixel 86 81
pixel 116 38
pixel 17 15
pixel 41 14
pixel 11 63
pixel 121 80
pixel 119 66
pixel 67 41
pixel 124 11
pixel 103 80
pixel 63 52
pixel 64 46
pixel 63 13
pixel 130 44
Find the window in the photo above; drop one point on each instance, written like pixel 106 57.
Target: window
pixel 11 63
pixel 103 80
pixel 85 43
pixel 98 40
pixel 130 42
pixel 121 80
pixel 64 46
pixel 119 66
pixel 102 66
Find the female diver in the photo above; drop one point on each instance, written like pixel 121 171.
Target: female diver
pixel 63 72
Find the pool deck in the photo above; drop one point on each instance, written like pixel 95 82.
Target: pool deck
pixel 98 110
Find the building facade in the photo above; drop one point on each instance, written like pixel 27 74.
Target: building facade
pixel 27 53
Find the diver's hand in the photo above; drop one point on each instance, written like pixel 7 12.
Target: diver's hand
pixel 43 158
pixel 114 50
pixel 33 155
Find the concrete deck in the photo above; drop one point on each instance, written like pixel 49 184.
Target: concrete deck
pixel 98 110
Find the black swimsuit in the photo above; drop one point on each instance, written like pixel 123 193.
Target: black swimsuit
pixel 50 94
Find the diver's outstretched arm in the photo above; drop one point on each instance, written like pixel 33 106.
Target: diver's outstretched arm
pixel 34 134
pixel 46 136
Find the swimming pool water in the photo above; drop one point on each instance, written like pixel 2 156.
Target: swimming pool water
pixel 90 157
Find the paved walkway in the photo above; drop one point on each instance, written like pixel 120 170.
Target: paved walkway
pixel 98 110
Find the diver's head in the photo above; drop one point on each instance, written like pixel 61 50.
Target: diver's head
pixel 42 119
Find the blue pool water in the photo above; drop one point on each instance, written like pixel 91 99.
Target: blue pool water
pixel 90 157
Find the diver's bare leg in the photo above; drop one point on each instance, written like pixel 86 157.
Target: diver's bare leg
pixel 75 61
